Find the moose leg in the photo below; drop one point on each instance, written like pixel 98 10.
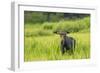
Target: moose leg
pixel 73 46
pixel 62 49
pixel 71 51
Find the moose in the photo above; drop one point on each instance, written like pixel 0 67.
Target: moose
pixel 67 43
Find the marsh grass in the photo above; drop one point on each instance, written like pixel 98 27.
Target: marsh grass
pixel 48 48
pixel 40 43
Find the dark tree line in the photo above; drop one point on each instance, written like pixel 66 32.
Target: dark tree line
pixel 40 17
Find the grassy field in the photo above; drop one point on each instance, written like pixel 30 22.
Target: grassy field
pixel 42 44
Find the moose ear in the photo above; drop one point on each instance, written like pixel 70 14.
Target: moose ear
pixel 55 32
pixel 67 32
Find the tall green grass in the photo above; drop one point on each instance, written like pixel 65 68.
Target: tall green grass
pixel 42 44
pixel 48 48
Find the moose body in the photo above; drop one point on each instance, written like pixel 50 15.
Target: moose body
pixel 67 43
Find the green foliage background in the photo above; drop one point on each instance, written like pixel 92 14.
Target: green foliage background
pixel 42 44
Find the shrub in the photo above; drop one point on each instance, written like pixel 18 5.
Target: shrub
pixel 37 32
pixel 48 25
pixel 48 28
pixel 73 25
